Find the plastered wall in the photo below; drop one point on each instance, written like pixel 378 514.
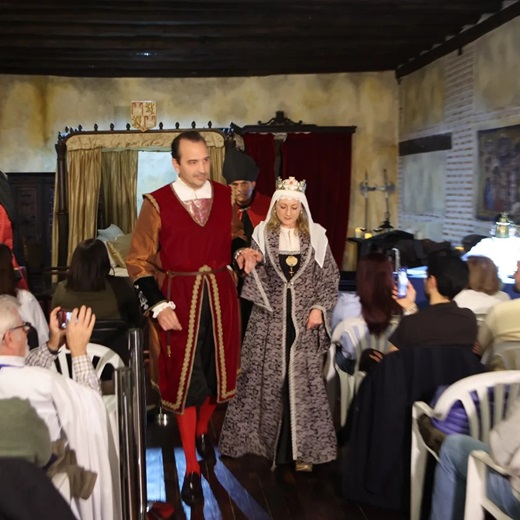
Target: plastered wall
pixel 462 93
pixel 33 109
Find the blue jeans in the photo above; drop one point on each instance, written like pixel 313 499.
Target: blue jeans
pixel 449 488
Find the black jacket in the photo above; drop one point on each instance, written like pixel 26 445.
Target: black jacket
pixel 26 493
pixel 377 464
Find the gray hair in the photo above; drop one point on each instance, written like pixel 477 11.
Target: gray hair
pixel 9 313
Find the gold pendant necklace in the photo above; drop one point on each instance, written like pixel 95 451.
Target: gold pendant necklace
pixel 291 261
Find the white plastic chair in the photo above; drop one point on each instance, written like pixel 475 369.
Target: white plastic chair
pixel 480 424
pixel 105 356
pixel 349 383
pixel 479 463
pixel 505 354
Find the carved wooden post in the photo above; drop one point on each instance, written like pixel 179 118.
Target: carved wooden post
pixel 63 211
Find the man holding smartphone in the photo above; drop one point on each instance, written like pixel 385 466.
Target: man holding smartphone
pixel 443 322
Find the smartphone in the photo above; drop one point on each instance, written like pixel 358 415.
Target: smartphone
pixel 402 282
pixel 64 318
pixel 395 258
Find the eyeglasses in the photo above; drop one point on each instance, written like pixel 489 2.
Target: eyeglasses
pixel 26 326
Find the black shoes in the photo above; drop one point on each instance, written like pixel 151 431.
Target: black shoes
pixel 191 489
pixel 205 447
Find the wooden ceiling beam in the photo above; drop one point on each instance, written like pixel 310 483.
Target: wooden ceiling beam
pixel 58 6
pixel 273 14
pixel 375 30
pixel 246 70
pixel 160 46
pixel 210 53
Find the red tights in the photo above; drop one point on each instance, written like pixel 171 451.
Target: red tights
pixel 190 427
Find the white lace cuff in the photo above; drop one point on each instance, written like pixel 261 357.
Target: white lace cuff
pixel 160 307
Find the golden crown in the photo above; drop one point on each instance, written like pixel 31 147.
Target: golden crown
pixel 291 184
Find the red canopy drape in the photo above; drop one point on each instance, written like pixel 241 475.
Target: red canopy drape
pixel 262 149
pixel 324 160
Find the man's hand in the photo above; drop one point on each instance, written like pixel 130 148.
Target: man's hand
pixel 248 258
pixel 315 319
pixel 168 320
pixel 79 330
pixel 56 334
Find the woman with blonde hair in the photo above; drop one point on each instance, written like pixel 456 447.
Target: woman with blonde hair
pixel 483 291
pixel 281 410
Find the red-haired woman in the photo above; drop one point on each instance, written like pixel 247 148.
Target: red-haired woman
pixel 380 312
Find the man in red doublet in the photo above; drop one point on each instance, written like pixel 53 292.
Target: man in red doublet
pixel 179 263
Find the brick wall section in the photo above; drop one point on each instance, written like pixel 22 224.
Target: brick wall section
pixel 460 160
pixel 461 170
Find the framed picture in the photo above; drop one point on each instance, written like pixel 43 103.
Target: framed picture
pixel 499 173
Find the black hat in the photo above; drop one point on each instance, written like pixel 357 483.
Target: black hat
pixel 238 166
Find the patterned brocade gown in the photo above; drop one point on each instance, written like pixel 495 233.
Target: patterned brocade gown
pixel 281 409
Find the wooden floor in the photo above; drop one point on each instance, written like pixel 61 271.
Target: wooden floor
pixel 246 488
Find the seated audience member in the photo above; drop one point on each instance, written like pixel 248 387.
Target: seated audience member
pixel 449 489
pixel 23 434
pixel 443 322
pixel 76 337
pixel 30 310
pixel 70 411
pixel 483 291
pixel 378 316
pixel 89 283
pixel 502 322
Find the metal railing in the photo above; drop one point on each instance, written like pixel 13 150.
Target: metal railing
pixel 131 405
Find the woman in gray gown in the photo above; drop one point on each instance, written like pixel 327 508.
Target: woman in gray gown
pixel 281 410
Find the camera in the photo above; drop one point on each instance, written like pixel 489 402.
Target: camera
pixel 63 318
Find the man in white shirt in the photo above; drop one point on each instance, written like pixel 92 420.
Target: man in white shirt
pixel 70 410
pixel 32 378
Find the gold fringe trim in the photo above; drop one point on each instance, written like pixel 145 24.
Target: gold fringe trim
pixel 152 201
pixel 219 339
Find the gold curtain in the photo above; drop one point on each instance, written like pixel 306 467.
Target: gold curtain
pixel 216 156
pixel 83 180
pixel 119 188
pixel 54 250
